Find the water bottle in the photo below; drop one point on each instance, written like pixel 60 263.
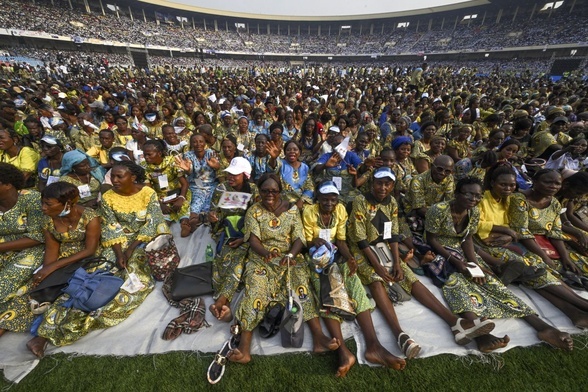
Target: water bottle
pixel 209 253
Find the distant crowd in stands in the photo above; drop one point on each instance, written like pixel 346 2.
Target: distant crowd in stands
pixel 543 29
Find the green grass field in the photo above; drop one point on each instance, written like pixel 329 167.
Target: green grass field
pixel 538 368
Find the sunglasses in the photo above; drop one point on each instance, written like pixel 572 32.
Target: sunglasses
pixel 442 170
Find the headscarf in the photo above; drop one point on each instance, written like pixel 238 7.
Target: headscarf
pixel 400 140
pixel 72 158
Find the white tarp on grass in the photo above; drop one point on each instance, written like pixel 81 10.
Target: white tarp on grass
pixel 141 333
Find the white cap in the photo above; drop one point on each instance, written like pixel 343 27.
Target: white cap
pixel 239 165
pixel 335 128
pixel 384 172
pixel 328 187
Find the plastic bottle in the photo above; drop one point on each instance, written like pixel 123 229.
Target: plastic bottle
pixel 209 253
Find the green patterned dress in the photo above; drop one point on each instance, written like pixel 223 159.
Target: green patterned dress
pixel 492 299
pixel 124 220
pixel 266 282
pixel 531 221
pixel 366 227
pixel 229 263
pixel 511 212
pixel 169 168
pixel 16 267
pixel 338 229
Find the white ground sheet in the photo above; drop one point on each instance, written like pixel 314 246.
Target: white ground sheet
pixel 141 333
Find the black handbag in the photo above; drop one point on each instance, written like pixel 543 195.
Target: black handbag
pixel 52 286
pixel 191 281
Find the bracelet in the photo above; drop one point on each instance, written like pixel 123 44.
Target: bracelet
pixel 183 197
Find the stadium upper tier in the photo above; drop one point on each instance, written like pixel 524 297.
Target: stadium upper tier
pixel 61 22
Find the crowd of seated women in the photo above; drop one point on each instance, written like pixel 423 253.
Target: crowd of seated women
pixel 476 183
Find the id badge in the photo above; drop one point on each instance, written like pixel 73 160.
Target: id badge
pixel 84 191
pixel 162 179
pixel 325 234
pixel 387 230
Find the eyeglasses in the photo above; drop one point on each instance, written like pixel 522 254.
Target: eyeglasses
pixel 269 191
pixel 472 196
pixel 442 170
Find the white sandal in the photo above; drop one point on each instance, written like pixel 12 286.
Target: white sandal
pixel 409 348
pixel 464 336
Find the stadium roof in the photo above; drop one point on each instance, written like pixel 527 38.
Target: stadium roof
pixel 312 10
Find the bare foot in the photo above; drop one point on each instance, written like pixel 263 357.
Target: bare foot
pixel 580 320
pixel 324 344
pixel 557 339
pixel 186 228
pixel 488 343
pixel 37 346
pixel 346 362
pixel 379 355
pixel 220 310
pixel 239 357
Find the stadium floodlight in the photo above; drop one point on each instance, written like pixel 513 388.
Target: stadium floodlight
pixel 345 27
pixel 487 55
pixel 402 24
pixel 472 16
pixel 573 52
pixel 551 5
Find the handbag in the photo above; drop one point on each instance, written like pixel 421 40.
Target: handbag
pixel 52 286
pixel 333 294
pixel 162 256
pixel 192 281
pixel 547 246
pixel 395 292
pixel 91 291
pixel 440 268
pixel 292 324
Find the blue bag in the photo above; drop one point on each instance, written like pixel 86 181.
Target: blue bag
pixel 91 291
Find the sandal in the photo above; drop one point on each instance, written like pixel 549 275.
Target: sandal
pixel 409 348
pixel 464 336
pixel 217 367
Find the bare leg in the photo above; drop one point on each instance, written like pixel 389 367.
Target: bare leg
pixel 549 334
pixel 321 343
pixel 375 352
pixel 346 357
pixel 386 307
pixel 577 316
pixel 2 331
pixel 221 310
pixel 37 345
pixel 566 293
pixel 242 354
